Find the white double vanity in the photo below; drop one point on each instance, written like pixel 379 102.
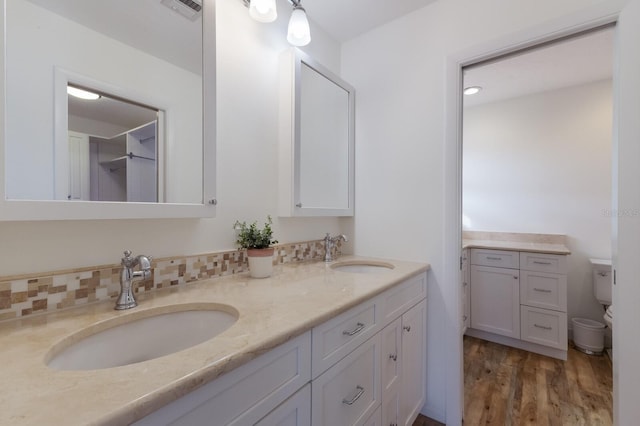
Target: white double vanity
pixel 312 345
pixel 515 291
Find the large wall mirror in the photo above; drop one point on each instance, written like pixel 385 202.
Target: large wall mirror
pixel 317 139
pixel 103 109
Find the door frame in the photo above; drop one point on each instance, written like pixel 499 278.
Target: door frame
pixel 587 19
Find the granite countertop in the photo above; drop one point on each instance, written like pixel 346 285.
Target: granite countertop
pixel 536 243
pixel 271 311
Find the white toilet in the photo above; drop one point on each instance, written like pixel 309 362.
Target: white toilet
pixel 602 286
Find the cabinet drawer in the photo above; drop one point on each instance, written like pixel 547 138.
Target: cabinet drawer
pixel 544 327
pixel 495 258
pixel 349 392
pixel 555 263
pixel 403 296
pixel 335 338
pixel 295 411
pixel 543 290
pixel 244 395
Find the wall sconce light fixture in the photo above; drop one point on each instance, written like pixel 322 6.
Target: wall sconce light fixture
pixel 298 33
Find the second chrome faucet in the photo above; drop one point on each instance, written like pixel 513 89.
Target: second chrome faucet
pixel 330 243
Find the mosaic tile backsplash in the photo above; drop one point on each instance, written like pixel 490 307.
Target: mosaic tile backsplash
pixel 44 292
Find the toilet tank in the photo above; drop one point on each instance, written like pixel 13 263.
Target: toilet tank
pixel 602 281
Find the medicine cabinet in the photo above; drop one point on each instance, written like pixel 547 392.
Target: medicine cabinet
pixel 317 139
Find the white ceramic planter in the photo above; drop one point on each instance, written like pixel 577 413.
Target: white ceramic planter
pixel 260 262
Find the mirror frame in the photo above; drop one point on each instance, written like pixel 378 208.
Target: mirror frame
pixel 26 210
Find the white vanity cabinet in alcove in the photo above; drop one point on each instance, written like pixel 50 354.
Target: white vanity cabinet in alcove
pixel 317 139
pixel 520 299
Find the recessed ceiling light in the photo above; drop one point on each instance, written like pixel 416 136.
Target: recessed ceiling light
pixel 82 94
pixel 472 90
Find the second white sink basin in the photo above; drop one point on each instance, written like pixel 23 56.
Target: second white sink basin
pixel 362 267
pixel 141 336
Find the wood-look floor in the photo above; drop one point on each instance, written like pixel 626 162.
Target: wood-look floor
pixel 425 421
pixel 508 386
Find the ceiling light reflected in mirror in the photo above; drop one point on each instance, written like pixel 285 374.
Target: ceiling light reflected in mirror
pixel 82 94
pixel 472 90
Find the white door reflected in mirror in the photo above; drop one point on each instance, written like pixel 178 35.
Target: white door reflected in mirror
pixel 113 145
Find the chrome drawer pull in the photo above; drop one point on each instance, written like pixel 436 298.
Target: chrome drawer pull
pixel 542 327
pixel 358 329
pixel 537 262
pixel 360 390
pixel 542 290
pixel 407 328
pixel 494 258
pixel 464 318
pixel 393 357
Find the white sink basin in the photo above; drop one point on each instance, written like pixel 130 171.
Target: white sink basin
pixel 362 267
pixel 141 336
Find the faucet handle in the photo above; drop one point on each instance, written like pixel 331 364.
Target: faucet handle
pixel 128 260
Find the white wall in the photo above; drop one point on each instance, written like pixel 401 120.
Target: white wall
pixel 246 157
pixel 542 164
pixel 398 71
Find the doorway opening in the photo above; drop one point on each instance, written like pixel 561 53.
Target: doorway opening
pixel 537 159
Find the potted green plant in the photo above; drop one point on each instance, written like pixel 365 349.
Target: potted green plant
pixel 258 243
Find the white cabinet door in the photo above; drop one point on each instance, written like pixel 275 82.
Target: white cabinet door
pixel 414 352
pixel 295 411
pixel 391 408
pixel 78 166
pixel 466 303
pixel 391 371
pixel 495 300
pixel 391 359
pixel 375 419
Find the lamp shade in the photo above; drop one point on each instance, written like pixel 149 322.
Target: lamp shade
pixel 299 33
pixel 263 10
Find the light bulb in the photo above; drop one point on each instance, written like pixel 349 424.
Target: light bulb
pixel 263 10
pixel 299 33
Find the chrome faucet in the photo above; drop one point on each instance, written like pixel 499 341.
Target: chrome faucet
pixel 330 243
pixel 126 299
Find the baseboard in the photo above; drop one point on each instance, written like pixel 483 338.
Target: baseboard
pixel 517 343
pixel 434 414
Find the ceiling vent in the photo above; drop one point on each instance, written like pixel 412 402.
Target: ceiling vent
pixel 190 9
